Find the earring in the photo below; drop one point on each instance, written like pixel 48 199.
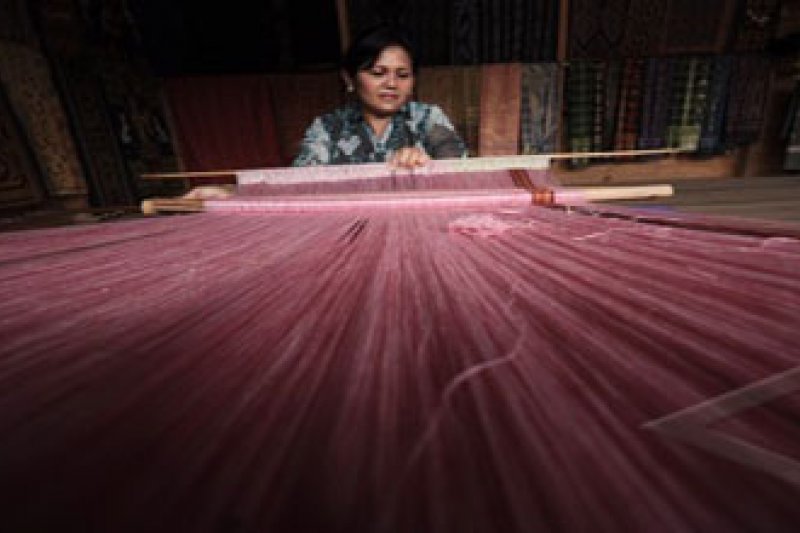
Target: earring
pixel 349 88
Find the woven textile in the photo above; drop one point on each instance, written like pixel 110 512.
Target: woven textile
pixel 26 76
pixel 713 127
pixel 697 27
pixel 629 110
pixel 755 24
pixel 465 32
pixel 791 131
pixel 19 174
pixel 15 23
pixel 750 76
pixel 540 108
pixel 610 107
pixel 597 28
pixel 582 98
pixel 688 102
pixel 106 172
pixel 515 30
pixel 644 28
pixel 424 371
pixel 296 100
pixel 500 109
pixel 656 103
pixel 228 122
pixel 457 90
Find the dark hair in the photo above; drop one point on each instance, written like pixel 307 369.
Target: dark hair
pixel 369 44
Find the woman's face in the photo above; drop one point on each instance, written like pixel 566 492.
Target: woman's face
pixel 388 84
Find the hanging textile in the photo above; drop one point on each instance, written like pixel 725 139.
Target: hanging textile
pixel 600 105
pixel 464 32
pixel 513 30
pixel 457 90
pixel 791 131
pixel 296 100
pixel 582 98
pixel 19 173
pixel 224 123
pixel 610 107
pixel 692 27
pixel 755 24
pixel 597 28
pixel 500 109
pixel 644 27
pixel 629 109
pixel 688 102
pixel 466 37
pixel 26 76
pixel 712 131
pixel 656 103
pixel 540 108
pixel 748 94
pixel 108 179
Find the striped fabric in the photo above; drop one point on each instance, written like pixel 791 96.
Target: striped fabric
pixel 713 126
pixel 580 116
pixel 629 109
pixel 500 109
pixel 655 103
pixel 792 132
pixel 540 108
pixel 750 78
pixel 457 90
pixel 687 106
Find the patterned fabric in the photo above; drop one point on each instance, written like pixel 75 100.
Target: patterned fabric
pixel 106 174
pixel 466 35
pixel 697 27
pixel 135 105
pixel 656 103
pixel 612 88
pixel 600 105
pixel 540 109
pixel 755 24
pixel 597 28
pixel 644 27
pixel 581 102
pixel 468 32
pixel 500 109
pixel 19 174
pixel 26 77
pixel 630 105
pixel 299 99
pixel 457 91
pixel 517 30
pixel 15 23
pixel 748 95
pixel 792 131
pixel 689 93
pixel 344 137
pixel 712 132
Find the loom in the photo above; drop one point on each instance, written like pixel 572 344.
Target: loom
pixel 283 362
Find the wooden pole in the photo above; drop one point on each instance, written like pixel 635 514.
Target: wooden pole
pixel 344 26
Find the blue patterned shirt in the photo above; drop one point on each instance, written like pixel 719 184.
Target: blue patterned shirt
pixel 344 137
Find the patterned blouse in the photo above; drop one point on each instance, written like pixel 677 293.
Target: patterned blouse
pixel 344 137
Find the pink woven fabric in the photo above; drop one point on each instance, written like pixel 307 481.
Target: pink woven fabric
pixel 384 371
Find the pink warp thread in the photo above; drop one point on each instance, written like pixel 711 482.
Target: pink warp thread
pixel 369 370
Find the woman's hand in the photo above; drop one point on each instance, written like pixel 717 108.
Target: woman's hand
pixel 409 157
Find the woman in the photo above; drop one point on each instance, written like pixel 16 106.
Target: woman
pixel 382 124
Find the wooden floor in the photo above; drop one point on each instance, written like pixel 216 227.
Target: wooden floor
pixel 771 198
